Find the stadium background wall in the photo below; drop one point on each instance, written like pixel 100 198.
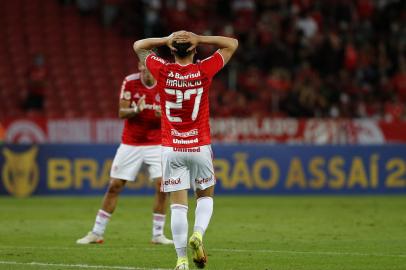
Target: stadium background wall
pixel 76 169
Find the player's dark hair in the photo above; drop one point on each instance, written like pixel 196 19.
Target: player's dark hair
pixel 181 49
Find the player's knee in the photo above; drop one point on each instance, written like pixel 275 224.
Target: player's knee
pixel 208 192
pixel 161 196
pixel 158 183
pixel 116 186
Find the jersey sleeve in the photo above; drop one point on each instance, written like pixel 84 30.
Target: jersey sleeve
pixel 212 64
pixel 125 91
pixel 154 64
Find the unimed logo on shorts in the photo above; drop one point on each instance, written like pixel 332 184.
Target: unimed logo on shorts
pixel 171 182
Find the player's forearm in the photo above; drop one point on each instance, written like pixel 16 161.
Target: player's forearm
pixel 219 41
pixel 149 43
pixel 143 47
pixel 126 113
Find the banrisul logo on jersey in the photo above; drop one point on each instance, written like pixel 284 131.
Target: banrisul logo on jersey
pixel 20 172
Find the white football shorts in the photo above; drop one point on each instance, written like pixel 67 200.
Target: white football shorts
pixel 129 158
pixel 187 167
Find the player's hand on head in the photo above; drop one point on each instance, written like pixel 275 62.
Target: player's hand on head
pixel 175 36
pixel 182 37
pixel 169 41
pixel 141 104
pixel 193 39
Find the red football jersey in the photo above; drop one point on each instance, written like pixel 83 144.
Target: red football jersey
pixel 184 92
pixel 145 127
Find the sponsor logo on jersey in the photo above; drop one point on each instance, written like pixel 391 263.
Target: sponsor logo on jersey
pixel 187 150
pixel 179 76
pixel 172 181
pixel 20 172
pixel 193 132
pixel 158 59
pixel 181 141
pixel 201 180
pixel 157 98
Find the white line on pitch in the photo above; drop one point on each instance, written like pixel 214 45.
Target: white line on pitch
pixel 331 253
pixel 78 265
pixel 334 253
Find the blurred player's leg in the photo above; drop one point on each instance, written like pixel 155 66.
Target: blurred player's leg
pixel 159 211
pixel 111 196
pixel 179 226
pixel 152 157
pixel 126 165
pixel 103 215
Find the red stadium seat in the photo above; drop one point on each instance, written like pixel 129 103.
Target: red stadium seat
pixel 84 60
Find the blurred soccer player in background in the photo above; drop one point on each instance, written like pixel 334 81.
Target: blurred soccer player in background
pixel 186 151
pixel 141 143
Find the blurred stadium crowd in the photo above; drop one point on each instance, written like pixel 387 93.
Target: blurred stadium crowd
pixel 301 58
pixel 297 58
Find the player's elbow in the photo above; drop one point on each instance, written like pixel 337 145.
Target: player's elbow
pixel 137 46
pixel 234 44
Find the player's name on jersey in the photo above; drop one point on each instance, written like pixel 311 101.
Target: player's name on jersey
pixel 183 83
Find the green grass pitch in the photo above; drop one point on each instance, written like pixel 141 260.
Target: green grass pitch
pixel 255 233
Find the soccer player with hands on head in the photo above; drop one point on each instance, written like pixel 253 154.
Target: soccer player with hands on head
pixel 186 145
pixel 141 143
